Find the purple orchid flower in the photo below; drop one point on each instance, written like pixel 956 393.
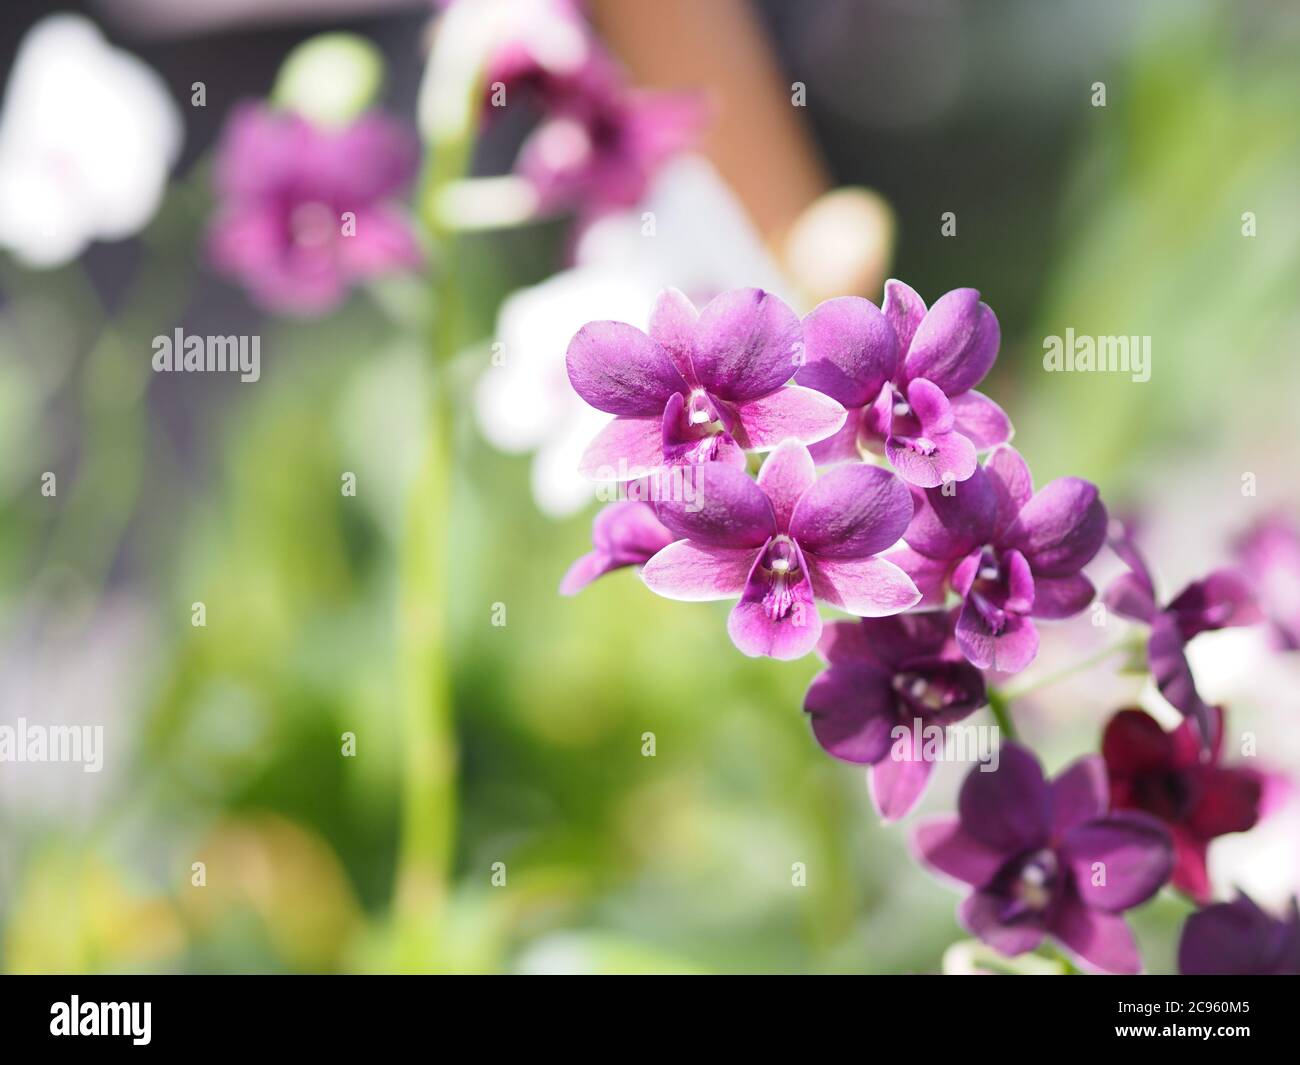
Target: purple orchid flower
pixel 306 212
pixel 1047 859
pixel 625 533
pixel 1221 600
pixel 1010 553
pixel 884 676
pixel 907 377
pixel 597 152
pixel 1270 553
pixel 1239 939
pixel 702 387
pixel 783 542
pixel 597 143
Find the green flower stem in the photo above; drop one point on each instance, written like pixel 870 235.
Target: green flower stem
pixel 428 735
pixel 1010 695
pixel 427 841
pixel 1001 713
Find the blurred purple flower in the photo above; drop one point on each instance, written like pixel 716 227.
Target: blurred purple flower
pixel 625 533
pixel 304 212
pixel 597 143
pixel 783 542
pixel 1011 553
pixel 1167 775
pixel 701 387
pixel 1219 601
pixel 907 377
pixel 1047 859
pixel 1239 939
pixel 597 152
pixel 1270 553
pixel 884 675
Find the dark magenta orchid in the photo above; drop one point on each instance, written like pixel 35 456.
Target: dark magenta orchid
pixel 701 387
pixel 884 676
pixel 1170 776
pixel 1010 553
pixel 783 542
pixel 907 377
pixel 625 533
pixel 306 212
pixel 1048 859
pixel 1239 939
pixel 1221 600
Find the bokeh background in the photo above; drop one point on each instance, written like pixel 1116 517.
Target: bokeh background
pixel 223 742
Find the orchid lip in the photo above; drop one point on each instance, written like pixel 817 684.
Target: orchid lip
pixel 781 561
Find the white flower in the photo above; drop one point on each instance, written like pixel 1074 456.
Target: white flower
pixel 87 138
pixel 702 242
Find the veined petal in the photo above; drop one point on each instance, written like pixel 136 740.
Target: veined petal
pixel 698 573
pixel 618 369
pixel 904 310
pixel 627 448
pixel 747 344
pixel 842 445
pixel 851 512
pixel 850 350
pixel 930 406
pixel 1061 529
pixel 928 574
pixel 787 473
pixel 1011 482
pixel 727 509
pixel 672 327
pixel 868 587
pixel 980 420
pixel 951 522
pixel 956 343
pixel 791 412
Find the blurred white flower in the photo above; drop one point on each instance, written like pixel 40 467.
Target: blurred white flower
pixel 87 137
pixel 691 234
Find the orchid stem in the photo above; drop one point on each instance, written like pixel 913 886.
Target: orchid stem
pixel 1001 713
pixel 1010 695
pixel 427 842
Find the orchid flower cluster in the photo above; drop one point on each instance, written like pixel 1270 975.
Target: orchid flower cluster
pixel 890 491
